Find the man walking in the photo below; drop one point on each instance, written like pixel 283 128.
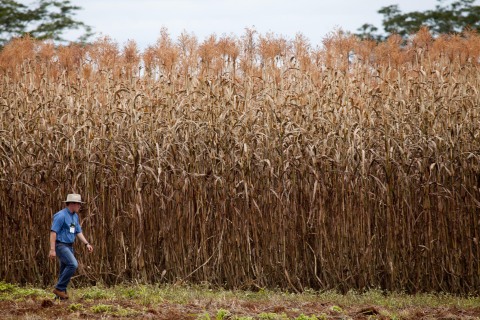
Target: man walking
pixel 65 228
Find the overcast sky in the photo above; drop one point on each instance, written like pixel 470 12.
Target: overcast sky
pixel 141 20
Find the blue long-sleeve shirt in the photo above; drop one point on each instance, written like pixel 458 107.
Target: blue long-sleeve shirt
pixel 66 225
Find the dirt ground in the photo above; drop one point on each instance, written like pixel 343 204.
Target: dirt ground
pixel 41 308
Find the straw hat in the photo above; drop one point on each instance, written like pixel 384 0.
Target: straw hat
pixel 73 197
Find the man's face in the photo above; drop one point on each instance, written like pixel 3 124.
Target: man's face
pixel 75 207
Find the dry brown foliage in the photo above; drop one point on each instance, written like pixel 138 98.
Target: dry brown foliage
pixel 247 162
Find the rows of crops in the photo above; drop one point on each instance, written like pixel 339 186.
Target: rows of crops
pixel 252 161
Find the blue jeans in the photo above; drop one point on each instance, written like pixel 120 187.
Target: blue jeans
pixel 68 265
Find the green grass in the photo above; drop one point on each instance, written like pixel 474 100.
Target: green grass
pixel 135 299
pixel 74 307
pixel 400 300
pixel 154 294
pixel 102 308
pixel 14 292
pixel 97 293
pixel 114 310
pixel 271 316
pixel 148 294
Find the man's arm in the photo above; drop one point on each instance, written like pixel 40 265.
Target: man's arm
pixel 84 241
pixel 53 237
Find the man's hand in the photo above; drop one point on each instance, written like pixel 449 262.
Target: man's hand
pixel 52 254
pixel 89 248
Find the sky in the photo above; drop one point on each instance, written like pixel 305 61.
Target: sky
pixel 141 20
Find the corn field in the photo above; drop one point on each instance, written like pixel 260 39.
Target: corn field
pixel 247 161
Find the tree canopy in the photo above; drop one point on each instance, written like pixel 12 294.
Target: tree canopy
pixel 45 19
pixel 444 19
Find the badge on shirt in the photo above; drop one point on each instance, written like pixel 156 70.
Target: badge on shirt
pixel 72 228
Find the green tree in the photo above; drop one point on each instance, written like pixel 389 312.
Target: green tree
pixel 453 18
pixel 45 19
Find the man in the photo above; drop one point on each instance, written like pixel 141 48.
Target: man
pixel 65 228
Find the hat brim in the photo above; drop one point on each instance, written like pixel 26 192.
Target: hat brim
pixel 73 201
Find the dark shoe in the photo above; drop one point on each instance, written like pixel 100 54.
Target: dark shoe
pixel 62 295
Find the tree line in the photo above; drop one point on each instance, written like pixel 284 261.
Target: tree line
pixel 49 19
